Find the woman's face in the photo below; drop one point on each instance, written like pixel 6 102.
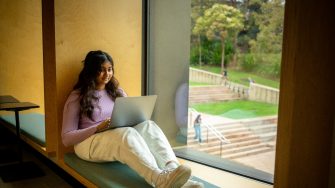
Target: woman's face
pixel 105 75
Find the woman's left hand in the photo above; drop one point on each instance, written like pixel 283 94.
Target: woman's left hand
pixel 103 125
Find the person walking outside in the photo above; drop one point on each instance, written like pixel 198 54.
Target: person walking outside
pixel 197 128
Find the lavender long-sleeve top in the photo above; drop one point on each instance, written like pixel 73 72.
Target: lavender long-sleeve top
pixel 76 128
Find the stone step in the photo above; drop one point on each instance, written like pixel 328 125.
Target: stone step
pixel 210 139
pixel 238 134
pixel 243 138
pixel 242 148
pixel 215 142
pixel 265 128
pixel 229 134
pixel 204 94
pixel 234 146
pixel 227 126
pixel 232 130
pixel 271 144
pixel 246 153
pixel 260 120
pixel 233 138
pixel 250 122
pixel 223 128
pixel 271 136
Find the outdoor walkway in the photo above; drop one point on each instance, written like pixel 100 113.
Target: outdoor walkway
pixel 263 161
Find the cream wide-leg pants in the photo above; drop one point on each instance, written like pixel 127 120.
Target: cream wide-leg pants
pixel 144 148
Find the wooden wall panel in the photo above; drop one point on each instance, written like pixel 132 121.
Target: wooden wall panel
pixel 112 26
pixel 306 109
pixel 21 66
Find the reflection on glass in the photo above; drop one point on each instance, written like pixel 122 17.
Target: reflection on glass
pixel 181 112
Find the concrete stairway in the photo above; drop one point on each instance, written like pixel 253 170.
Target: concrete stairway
pixel 215 93
pixel 247 137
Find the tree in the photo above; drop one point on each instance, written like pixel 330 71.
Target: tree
pixel 266 47
pixel 219 23
pixel 250 8
pixel 198 9
pixel 270 23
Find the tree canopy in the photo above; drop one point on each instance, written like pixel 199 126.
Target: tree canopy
pixel 243 34
pixel 219 23
pixel 270 23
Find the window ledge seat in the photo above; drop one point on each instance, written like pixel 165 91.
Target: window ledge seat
pixel 109 174
pixel 32 125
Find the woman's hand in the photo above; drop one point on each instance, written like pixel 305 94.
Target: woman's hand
pixel 103 125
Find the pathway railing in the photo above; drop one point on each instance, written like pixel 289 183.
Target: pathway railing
pixel 241 90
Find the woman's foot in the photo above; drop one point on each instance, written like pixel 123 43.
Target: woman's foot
pixel 171 165
pixel 193 184
pixel 173 178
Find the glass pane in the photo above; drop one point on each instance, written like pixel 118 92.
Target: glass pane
pixel 234 80
pixel 220 59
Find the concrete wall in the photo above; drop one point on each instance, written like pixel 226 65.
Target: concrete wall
pixel 261 93
pixel 21 66
pixel 170 24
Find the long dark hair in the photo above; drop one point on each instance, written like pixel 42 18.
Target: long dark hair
pixel 198 119
pixel 86 84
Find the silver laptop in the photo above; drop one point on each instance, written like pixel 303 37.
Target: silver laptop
pixel 130 111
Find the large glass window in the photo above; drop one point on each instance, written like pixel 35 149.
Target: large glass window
pixel 218 60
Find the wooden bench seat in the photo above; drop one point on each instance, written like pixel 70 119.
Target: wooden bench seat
pixel 109 174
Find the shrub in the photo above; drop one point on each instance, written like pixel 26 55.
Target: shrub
pixel 247 62
pixel 211 52
pixel 267 65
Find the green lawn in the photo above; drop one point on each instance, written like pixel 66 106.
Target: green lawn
pixel 241 77
pixel 237 109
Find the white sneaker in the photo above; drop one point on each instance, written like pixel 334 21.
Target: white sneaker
pixel 193 184
pixel 173 178
pixel 171 165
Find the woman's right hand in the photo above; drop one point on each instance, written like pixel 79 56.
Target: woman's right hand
pixel 103 125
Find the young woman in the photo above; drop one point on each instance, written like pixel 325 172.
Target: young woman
pixel 144 147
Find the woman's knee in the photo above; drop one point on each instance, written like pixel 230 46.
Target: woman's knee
pixel 129 133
